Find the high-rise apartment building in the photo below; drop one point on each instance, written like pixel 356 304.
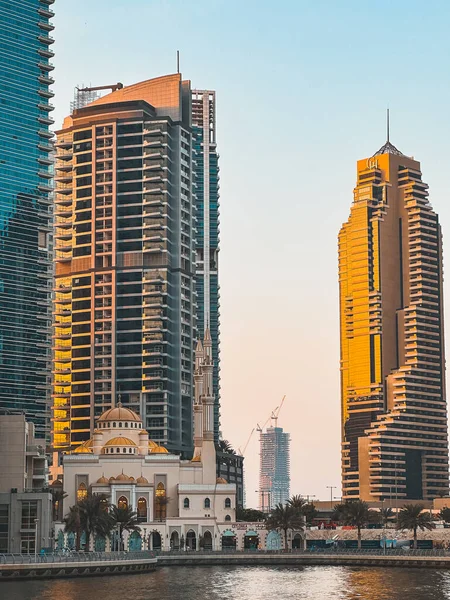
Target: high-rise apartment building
pixel 394 422
pixel 125 263
pixel 25 174
pixel 274 473
pixel 206 169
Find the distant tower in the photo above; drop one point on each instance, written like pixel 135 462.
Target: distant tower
pixel 274 474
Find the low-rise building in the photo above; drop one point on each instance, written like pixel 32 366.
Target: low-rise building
pixel 25 499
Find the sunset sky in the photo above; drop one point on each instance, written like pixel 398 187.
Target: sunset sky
pixel 302 90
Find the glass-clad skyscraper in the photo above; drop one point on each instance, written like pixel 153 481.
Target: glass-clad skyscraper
pixel 394 410
pixel 25 174
pixel 206 168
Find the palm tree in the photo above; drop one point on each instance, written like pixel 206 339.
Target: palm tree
pixel 445 514
pixel 72 524
pixel 126 519
pixel 411 517
pixel 284 518
pixel 95 518
pixel 386 514
pixel 353 512
pixel 58 495
pixel 225 447
pixel 297 503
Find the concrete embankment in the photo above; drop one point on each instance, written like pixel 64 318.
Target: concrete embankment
pixel 300 559
pixel 44 570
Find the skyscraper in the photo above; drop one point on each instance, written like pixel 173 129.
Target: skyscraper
pixel 394 423
pixel 206 169
pixel 125 263
pixel 274 473
pixel 25 174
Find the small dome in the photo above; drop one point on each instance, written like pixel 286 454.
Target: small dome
pixel 120 441
pixel 111 479
pixel 152 445
pixel 221 480
pixel 142 480
pixel 197 458
pixel 120 413
pixel 103 480
pixel 82 450
pixel 122 477
pixel 159 450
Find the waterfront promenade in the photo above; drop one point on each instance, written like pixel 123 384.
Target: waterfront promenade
pixel 75 564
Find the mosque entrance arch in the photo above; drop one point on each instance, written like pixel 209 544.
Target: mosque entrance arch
pixel 251 540
pixel 228 540
pixel 296 542
pixel 207 541
pixel 154 540
pixel 135 542
pixel 174 541
pixel 273 541
pixel 191 540
pixel 100 544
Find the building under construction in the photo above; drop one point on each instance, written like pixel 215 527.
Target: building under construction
pixel 274 473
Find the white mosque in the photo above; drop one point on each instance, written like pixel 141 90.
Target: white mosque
pixel 175 500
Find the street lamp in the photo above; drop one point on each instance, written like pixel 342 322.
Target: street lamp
pixel 36 522
pixel 331 488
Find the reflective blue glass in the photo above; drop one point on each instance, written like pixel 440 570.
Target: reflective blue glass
pixel 25 185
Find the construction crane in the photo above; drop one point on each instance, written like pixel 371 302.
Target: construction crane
pixel 276 412
pixel 273 416
pixel 242 453
pixel 98 88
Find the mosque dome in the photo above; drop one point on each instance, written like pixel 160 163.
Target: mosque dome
pixel 197 458
pixel 84 448
pixel 120 413
pixel 120 441
pixel 122 477
pixel 103 480
pixel 142 480
pixel 159 450
pixel 152 445
pixel 221 480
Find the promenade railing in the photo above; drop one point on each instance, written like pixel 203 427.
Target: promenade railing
pixel 74 557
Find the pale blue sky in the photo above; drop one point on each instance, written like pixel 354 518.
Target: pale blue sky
pixel 302 89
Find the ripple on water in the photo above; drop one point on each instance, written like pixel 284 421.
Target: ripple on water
pixel 243 583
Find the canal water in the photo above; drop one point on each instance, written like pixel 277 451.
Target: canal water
pixel 243 583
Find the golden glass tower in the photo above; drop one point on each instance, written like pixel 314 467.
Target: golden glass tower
pixel 394 417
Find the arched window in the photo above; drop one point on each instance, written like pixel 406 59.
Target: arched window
pixel 81 492
pixel 122 502
pixel 117 450
pixel 227 518
pixel 124 450
pixel 120 425
pixel 114 424
pixel 142 509
pixel 160 502
pixel 207 503
pixel 227 503
pixel 186 503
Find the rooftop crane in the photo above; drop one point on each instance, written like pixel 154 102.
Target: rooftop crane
pixel 242 453
pixel 276 412
pixel 113 88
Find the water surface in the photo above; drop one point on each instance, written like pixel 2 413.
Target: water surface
pixel 243 583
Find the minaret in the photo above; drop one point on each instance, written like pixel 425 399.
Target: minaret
pixel 198 408
pixel 208 449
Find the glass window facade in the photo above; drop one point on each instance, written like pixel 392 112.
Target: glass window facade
pixel 25 178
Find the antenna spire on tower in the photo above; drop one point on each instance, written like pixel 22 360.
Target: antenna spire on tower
pixel 387 125
pixel 178 61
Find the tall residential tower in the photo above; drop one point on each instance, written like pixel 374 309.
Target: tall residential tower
pixel 25 174
pixel 206 168
pixel 394 420
pixel 125 263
